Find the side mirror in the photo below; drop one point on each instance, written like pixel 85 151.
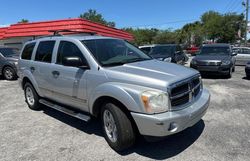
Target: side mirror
pixel 75 62
pixel 234 54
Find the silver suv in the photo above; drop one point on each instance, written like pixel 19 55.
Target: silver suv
pixel 108 78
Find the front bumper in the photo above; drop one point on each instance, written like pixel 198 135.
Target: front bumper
pixel 162 124
pixel 222 69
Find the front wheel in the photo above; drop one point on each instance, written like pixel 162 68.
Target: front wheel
pixel 9 73
pixel 229 75
pixel 117 127
pixel 31 97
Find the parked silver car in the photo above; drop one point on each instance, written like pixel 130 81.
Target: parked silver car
pixel 111 79
pixel 243 55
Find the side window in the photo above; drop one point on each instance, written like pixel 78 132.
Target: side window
pixel 245 51
pixel 27 51
pixel 68 49
pixel 44 51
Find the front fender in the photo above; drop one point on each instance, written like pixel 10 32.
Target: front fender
pixel 128 95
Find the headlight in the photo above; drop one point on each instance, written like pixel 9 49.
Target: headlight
pixel 155 102
pixel 168 59
pixel 227 62
pixel 194 62
pixel 16 63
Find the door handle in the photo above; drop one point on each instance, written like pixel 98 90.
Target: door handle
pixel 32 69
pixel 55 74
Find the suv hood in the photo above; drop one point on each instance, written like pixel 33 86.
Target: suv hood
pixel 151 73
pixel 210 58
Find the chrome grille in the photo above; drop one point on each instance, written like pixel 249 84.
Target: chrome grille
pixel 184 92
pixel 209 63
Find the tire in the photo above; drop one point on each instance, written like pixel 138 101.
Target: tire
pixel 31 97
pixel 123 135
pixel 229 75
pixel 9 73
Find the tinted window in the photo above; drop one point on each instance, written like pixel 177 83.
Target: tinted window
pixel 178 48
pixel 27 51
pixel 146 49
pixel 113 52
pixel 44 51
pixel 8 51
pixel 215 51
pixel 162 50
pixel 245 51
pixel 68 49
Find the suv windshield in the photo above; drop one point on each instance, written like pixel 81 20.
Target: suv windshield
pixel 162 50
pixel 113 52
pixel 215 51
pixel 8 51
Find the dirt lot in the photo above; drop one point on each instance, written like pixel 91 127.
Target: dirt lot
pixel 223 134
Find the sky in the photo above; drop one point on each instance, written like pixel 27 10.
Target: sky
pixel 162 14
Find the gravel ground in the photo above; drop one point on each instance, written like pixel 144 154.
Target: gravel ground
pixel 223 134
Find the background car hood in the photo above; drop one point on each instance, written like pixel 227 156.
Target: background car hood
pixel 212 57
pixel 152 73
pixel 12 57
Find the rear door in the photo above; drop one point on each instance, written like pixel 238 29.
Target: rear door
pixel 68 82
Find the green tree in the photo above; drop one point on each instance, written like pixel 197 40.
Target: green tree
pixel 142 36
pixel 166 37
pixel 212 23
pixel 94 16
pixel 23 21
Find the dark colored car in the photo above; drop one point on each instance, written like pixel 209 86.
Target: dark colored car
pixel 215 58
pixel 8 62
pixel 247 69
pixel 167 52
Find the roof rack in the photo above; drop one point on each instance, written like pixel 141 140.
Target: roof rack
pixel 57 32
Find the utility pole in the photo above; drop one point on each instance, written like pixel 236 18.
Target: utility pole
pixel 246 31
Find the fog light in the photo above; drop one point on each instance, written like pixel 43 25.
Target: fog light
pixel 173 127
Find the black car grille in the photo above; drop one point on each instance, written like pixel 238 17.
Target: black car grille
pixel 184 92
pixel 207 63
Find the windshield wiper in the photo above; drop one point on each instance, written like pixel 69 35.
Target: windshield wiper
pixel 113 64
pixel 136 60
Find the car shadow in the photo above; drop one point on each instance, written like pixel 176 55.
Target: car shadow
pixel 213 76
pixel 245 78
pixel 166 148
pixel 170 146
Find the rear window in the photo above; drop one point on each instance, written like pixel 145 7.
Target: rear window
pixel 44 51
pixel 146 49
pixel 27 51
pixel 162 50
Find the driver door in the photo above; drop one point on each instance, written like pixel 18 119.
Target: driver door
pixel 69 82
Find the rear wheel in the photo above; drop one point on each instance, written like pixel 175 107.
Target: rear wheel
pixel 117 127
pixel 31 97
pixel 9 73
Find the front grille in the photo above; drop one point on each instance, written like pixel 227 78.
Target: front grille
pixel 184 92
pixel 207 63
